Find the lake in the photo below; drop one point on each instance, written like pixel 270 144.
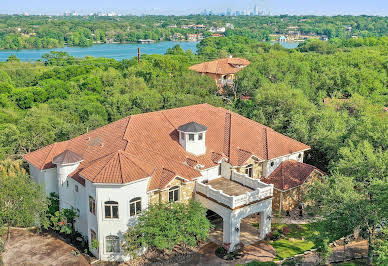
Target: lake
pixel 116 51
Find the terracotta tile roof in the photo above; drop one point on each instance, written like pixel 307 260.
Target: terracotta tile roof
pixel 67 157
pixel 152 139
pixel 118 167
pixel 290 174
pixel 221 66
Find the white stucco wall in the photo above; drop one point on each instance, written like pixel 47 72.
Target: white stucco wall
pixel 209 173
pixel 47 178
pixel 117 227
pixel 91 219
pixel 268 169
pixel 196 146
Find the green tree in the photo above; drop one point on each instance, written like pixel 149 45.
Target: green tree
pixel 344 206
pixel 22 202
pixel 166 225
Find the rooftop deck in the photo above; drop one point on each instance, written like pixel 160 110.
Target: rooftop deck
pixel 229 187
pixel 239 190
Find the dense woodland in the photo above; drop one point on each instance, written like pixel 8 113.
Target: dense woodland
pixel 60 97
pixel 17 32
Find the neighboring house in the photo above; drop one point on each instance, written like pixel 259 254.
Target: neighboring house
pixel 201 152
pixel 282 39
pixel 291 180
pixel 195 37
pixel 223 71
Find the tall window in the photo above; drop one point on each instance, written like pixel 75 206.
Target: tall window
pixel 112 244
pixel 191 137
pixel 200 136
pixel 76 188
pixel 92 205
pixel 111 210
pixel 93 236
pixel 173 194
pixel 135 206
pixel 249 170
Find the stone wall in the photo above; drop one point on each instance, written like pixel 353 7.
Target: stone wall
pixel 293 197
pixel 186 192
pixel 257 168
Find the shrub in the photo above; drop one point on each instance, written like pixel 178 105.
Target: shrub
pixel 286 230
pixel 276 235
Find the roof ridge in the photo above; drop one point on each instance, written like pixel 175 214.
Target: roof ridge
pixel 102 168
pixel 126 154
pixel 45 159
pixel 265 147
pixel 121 170
pixel 227 133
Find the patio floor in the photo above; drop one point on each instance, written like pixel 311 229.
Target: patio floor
pixel 248 233
pixel 229 187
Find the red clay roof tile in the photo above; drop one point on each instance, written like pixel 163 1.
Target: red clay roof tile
pixel 221 66
pixel 152 139
pixel 290 174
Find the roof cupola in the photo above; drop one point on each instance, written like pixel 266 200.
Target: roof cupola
pixel 192 137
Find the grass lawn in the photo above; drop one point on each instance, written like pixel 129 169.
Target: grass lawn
pixel 295 242
pixel 352 263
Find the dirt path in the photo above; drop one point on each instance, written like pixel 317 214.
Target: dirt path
pixel 28 248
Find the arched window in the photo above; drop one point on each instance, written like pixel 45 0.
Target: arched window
pixel 135 206
pixel 111 209
pixel 173 194
pixel 112 244
pixel 249 170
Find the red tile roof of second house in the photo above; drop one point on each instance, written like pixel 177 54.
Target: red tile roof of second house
pixel 221 66
pixel 290 174
pixel 152 139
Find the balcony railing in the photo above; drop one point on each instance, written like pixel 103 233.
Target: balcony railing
pixel 260 191
pixel 224 82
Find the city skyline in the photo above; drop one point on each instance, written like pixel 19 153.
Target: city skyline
pixel 175 7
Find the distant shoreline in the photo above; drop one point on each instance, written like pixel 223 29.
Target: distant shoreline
pixel 95 43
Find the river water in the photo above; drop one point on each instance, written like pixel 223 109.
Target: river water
pixel 116 51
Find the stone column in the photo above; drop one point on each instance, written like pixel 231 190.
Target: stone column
pixel 265 222
pixel 231 231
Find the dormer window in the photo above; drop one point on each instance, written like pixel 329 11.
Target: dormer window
pixel 191 137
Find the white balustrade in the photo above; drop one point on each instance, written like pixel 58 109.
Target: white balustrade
pixel 261 191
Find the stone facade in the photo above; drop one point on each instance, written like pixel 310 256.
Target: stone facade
pixel 186 192
pixel 257 168
pixel 290 199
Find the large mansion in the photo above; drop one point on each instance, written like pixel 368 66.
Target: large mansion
pixel 223 71
pixel 229 163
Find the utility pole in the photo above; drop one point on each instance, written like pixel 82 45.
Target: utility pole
pixel 138 54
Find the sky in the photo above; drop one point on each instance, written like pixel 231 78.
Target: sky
pixel 182 7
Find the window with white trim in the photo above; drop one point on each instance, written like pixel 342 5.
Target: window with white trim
pixel 112 244
pixel 191 137
pixel 249 170
pixel 182 135
pixel 200 136
pixel 135 206
pixel 173 194
pixel 111 210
